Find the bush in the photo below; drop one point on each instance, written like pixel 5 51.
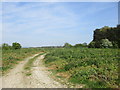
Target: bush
pixel 67 45
pixel 5 46
pixel 92 44
pixel 16 45
pixel 105 43
pixel 81 45
pixel 115 45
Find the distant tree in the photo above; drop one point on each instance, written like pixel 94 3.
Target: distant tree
pixel 67 45
pixel 5 46
pixel 81 45
pixel 105 43
pixel 91 44
pixel 85 44
pixel 16 45
pixel 77 45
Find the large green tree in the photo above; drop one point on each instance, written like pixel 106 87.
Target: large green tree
pixel 110 33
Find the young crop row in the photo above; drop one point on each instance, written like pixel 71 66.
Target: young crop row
pixel 12 57
pixel 94 68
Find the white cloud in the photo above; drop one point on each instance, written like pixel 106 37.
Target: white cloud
pixel 34 22
pixel 26 18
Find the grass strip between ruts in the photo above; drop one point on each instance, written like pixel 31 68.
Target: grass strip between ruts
pixel 29 64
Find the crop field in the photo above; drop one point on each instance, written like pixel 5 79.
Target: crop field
pixel 12 57
pixel 92 68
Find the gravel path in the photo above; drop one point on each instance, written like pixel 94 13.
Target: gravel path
pixel 16 78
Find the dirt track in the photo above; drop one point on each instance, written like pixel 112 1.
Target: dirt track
pixel 16 78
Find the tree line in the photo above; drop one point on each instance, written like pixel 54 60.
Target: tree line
pixel 15 45
pixel 105 37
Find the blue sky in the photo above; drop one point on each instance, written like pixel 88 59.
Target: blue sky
pixel 36 24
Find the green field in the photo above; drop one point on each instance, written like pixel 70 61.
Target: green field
pixel 11 57
pixel 92 68
pixel 89 67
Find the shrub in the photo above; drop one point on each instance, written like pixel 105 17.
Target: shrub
pixel 16 45
pixel 5 46
pixel 92 44
pixel 67 45
pixel 81 45
pixel 105 43
pixel 115 45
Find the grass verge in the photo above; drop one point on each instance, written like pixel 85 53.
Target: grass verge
pixel 10 58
